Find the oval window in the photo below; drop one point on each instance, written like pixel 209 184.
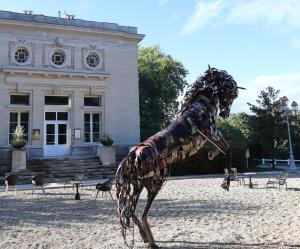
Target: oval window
pixel 58 58
pixel 21 55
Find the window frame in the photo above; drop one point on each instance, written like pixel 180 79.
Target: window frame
pixel 69 100
pixel 62 53
pixel 91 127
pixel 27 95
pixel 99 97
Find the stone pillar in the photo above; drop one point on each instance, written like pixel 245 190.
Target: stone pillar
pixel 18 160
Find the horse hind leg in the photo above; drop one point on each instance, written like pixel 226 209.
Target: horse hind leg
pixel 143 233
pixel 150 198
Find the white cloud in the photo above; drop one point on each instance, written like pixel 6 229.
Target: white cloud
pixel 288 84
pixel 278 13
pixel 204 13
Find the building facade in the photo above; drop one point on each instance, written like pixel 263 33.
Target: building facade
pixel 67 82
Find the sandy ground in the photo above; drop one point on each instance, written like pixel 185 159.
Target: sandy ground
pixel 188 213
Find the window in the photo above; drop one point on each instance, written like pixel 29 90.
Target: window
pixel 21 55
pixel 92 101
pixel 92 60
pixel 92 127
pixel 18 118
pixel 19 99
pixel 58 58
pixel 53 116
pixel 56 100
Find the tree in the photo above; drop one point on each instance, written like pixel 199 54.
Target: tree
pixel 161 81
pixel 268 126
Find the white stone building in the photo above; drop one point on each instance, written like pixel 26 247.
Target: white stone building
pixel 67 81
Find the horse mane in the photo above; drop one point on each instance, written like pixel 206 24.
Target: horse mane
pixel 211 80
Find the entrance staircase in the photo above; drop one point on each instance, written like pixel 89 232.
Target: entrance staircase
pixel 58 169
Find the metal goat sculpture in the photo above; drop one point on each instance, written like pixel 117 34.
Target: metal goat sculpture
pixel 146 165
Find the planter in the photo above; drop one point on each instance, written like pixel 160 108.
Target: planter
pixel 107 154
pixel 18 160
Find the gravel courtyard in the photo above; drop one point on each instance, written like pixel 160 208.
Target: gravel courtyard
pixel 191 212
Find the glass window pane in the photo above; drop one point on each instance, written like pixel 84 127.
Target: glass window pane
pixel 19 99
pixel 96 118
pixel 86 117
pixel 92 101
pixel 62 129
pixel 62 116
pixel 96 127
pixel 13 117
pixel 96 137
pixel 50 129
pixel 87 127
pixel 62 139
pixel 56 100
pixel 25 125
pixel 12 127
pixel 87 137
pixel 50 139
pixel 24 117
pixel 50 116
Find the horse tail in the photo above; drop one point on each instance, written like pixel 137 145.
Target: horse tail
pixel 125 197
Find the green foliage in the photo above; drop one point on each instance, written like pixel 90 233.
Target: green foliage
pixel 106 140
pixel 268 126
pixel 18 141
pixel 161 81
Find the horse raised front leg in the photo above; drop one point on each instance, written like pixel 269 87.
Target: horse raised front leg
pixel 150 198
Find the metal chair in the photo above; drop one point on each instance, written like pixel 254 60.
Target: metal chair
pixel 235 176
pixel 280 180
pixel 11 180
pixel 37 182
pixel 105 187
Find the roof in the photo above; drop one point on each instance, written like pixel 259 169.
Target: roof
pixel 13 16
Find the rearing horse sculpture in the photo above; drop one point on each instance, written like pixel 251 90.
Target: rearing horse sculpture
pixel 147 164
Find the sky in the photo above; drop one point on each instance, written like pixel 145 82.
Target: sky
pixel 256 41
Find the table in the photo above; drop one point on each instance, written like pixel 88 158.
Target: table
pixel 250 174
pixel 76 183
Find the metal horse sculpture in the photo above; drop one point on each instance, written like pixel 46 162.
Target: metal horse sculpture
pixel 147 165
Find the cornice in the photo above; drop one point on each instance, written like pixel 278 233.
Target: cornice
pixel 50 73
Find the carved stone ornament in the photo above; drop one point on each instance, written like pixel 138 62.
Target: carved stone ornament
pixel 59 43
pixel 93 47
pixel 56 89
pixel 22 41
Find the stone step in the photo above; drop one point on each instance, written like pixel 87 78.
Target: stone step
pixel 61 168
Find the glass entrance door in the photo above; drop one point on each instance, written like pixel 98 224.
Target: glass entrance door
pixel 56 134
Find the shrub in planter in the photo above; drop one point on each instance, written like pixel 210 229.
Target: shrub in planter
pixel 106 140
pixel 18 141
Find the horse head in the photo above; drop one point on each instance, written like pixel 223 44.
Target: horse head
pixel 218 86
pixel 224 88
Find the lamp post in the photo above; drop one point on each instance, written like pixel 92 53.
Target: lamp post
pixel 286 111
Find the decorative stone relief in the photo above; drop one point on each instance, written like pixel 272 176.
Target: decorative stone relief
pixel 21 53
pixel 95 52
pixel 56 89
pixel 58 47
pixel 93 89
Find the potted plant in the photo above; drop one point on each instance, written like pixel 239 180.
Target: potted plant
pixel 18 140
pixel 107 153
pixel 19 153
pixel 106 140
